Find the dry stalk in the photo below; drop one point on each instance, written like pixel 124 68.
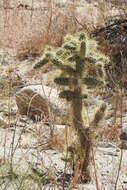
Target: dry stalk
pixel 121 155
pixel 119 168
pixel 95 171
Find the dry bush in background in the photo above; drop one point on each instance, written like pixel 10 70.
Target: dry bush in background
pixel 27 30
pixel 56 23
pixel 110 134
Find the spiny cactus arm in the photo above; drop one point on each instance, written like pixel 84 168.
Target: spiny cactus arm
pixel 64 81
pixel 70 95
pixel 82 51
pixel 56 61
pixel 72 58
pixel 68 70
pixel 41 63
pixel 90 60
pixel 49 57
pixel 46 58
pixel 79 58
pixel 92 82
pixel 65 68
pixel 99 115
pixel 69 46
pixel 67 94
pixel 82 36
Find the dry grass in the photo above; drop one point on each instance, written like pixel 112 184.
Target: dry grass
pixel 32 47
pixel 62 138
pixel 111 134
pixel 56 24
pixel 27 30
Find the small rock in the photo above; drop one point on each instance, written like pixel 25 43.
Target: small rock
pixel 36 100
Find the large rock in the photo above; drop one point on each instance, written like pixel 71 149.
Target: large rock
pixel 38 100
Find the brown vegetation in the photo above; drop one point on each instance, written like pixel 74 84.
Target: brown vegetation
pixel 27 29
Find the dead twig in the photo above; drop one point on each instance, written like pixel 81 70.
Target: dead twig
pixel 117 178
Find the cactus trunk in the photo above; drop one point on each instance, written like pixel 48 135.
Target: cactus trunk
pixel 83 135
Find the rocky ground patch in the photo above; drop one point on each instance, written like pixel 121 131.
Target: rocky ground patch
pixel 27 144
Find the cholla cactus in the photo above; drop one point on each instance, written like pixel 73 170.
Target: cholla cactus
pixel 81 65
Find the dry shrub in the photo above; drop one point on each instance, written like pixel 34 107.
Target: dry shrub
pixel 28 29
pixel 111 134
pixel 58 143
pixel 63 138
pixel 33 47
pixel 57 23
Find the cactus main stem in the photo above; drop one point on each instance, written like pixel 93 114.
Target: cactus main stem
pixel 83 134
